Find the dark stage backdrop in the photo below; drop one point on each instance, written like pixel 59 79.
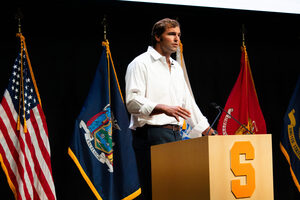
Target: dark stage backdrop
pixel 64 45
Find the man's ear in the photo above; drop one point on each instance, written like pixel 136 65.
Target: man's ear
pixel 157 38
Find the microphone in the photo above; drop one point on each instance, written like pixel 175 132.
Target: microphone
pixel 215 133
pixel 216 106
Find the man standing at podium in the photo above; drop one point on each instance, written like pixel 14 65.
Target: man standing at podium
pixel 159 100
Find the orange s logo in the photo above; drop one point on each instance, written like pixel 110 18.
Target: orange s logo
pixel 242 169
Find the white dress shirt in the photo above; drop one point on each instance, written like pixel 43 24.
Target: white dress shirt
pixel 150 82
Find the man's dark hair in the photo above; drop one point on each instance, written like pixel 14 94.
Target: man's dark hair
pixel 160 27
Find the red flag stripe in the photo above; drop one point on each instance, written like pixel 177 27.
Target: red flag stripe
pixel 38 172
pixel 43 118
pixel 12 149
pixel 24 147
pixel 11 175
pixel 40 165
pixel 15 146
pixel 12 116
pixel 37 140
pixel 43 156
pixel 39 179
pixel 43 173
pixel 41 136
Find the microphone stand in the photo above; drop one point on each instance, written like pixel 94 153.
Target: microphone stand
pixel 220 108
pixel 214 122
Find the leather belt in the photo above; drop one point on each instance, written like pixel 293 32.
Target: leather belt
pixel 172 127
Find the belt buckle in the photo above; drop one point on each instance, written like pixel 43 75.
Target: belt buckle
pixel 174 128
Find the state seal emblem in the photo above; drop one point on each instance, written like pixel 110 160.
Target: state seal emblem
pixel 98 135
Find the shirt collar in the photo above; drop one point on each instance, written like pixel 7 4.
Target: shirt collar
pixel 155 55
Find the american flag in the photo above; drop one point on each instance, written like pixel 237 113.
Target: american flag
pixel 25 150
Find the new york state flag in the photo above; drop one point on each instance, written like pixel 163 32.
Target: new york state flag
pixel 101 146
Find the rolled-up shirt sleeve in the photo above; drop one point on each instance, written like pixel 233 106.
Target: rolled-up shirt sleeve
pixel 197 120
pixel 136 101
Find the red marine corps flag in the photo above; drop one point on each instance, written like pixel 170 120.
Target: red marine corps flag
pixel 243 105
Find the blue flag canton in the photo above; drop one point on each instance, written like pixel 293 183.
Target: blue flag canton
pixel 16 85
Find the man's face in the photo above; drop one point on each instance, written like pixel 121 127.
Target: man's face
pixel 169 40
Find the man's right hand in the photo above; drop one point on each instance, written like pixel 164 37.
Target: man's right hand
pixel 172 111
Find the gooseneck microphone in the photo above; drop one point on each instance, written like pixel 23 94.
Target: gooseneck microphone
pixel 216 106
pixel 215 133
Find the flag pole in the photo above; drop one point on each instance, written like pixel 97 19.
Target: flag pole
pixel 104 23
pixel 248 70
pixel 109 57
pixel 105 43
pixel 19 16
pixel 243 34
pixel 19 25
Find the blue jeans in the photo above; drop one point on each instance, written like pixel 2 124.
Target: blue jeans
pixel 143 139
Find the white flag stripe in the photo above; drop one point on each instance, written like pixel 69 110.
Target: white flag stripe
pixel 17 148
pixel 37 183
pixel 10 130
pixel 19 183
pixel 15 115
pixel 27 180
pixel 41 129
pixel 43 165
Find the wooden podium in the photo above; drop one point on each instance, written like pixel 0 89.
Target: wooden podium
pixel 213 167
